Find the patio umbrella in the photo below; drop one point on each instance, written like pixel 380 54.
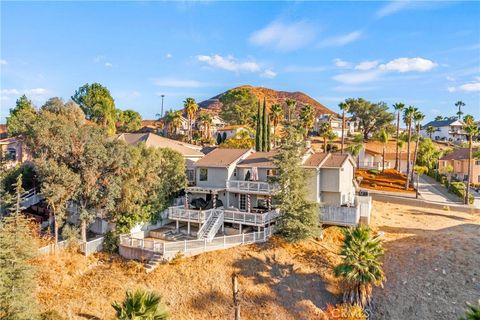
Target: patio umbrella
pixel 248 202
pixel 254 173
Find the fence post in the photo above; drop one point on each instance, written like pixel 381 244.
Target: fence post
pixel 185 246
pixel 205 244
pixel 243 238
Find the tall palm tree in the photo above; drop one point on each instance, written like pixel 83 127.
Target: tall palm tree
pixel 383 136
pixel 173 119
pixel 400 144
pixel 344 106
pixel 355 148
pixel 276 113
pixel 190 107
pixel 439 118
pixel 408 118
pixel 399 108
pixel 471 129
pixel 291 105
pixel 418 117
pixel 140 305
pixel 430 131
pixel 206 120
pixel 361 268
pixel 459 105
pixel 307 117
pixel 326 133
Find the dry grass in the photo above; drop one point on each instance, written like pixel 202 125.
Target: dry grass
pixel 390 180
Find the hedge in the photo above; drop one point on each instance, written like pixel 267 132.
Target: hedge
pixel 458 188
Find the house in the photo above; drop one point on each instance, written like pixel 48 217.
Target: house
pixel 151 126
pixel 371 156
pixel 13 151
pixel 231 130
pixel 336 124
pixel 190 152
pixel 446 130
pixel 458 160
pixel 3 131
pixel 217 123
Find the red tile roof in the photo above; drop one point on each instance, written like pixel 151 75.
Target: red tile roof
pixel 458 154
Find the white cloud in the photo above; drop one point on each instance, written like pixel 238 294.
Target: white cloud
pixel 178 83
pixel 284 37
pixel 229 63
pixel 36 94
pixel 268 74
pixel 304 69
pixel 393 7
pixel 357 77
pixel 409 64
pixel 341 40
pixel 450 78
pixel 7 92
pixel 108 65
pixel 341 63
pixel 2 61
pixel 467 87
pixel 168 55
pixel 37 91
pixel 366 65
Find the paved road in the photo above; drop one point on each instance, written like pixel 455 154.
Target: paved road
pixel 432 190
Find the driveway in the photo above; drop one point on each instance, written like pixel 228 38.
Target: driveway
pixel 431 190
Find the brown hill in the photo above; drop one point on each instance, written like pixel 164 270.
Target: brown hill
pixel 272 96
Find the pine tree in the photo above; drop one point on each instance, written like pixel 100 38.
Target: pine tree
pixel 17 276
pixel 269 143
pixel 264 125
pixel 258 133
pixel 300 217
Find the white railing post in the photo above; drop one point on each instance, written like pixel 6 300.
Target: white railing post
pixel 243 238
pixel 185 246
pixel 205 244
pixel 224 240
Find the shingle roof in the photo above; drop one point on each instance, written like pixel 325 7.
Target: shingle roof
pixel 458 154
pixel 221 157
pixel 153 140
pixel 315 159
pixel 440 123
pixel 335 160
pixel 259 160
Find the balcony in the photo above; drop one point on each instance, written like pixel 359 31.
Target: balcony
pixel 255 187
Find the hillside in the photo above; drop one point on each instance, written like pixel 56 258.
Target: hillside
pixel 272 96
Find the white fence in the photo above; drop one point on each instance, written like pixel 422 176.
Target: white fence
pixel 251 186
pixel 50 248
pixel 192 247
pixel 92 246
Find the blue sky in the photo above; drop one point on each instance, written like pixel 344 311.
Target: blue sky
pixel 422 53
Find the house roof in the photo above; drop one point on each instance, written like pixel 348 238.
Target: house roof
pixel 443 123
pixel 3 128
pixel 458 154
pixel 259 160
pixel 153 140
pixel 221 158
pixel 335 160
pixel 9 140
pixel 315 159
pixel 231 127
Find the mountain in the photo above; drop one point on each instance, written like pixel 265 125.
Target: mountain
pixel 272 96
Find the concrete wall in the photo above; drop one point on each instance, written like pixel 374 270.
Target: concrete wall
pixel 134 253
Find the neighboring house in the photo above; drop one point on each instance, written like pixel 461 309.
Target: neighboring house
pixel 13 151
pixel 231 130
pixel 190 152
pixel 217 123
pixel 151 126
pixel 3 131
pixel 336 124
pixel 370 156
pixel 446 130
pixel 458 160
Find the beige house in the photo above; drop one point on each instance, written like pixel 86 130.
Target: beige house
pixel 458 160
pixel 13 151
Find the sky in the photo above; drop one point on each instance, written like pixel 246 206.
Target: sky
pixel 425 54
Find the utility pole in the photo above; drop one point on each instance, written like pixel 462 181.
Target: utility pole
pixel 161 114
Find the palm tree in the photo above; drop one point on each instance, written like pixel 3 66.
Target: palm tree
pixel 173 119
pixel 276 113
pixel 326 133
pixel 355 148
pixel 383 136
pixel 438 118
pixel 140 305
pixel 307 117
pixel 206 120
pixel 430 130
pixel 361 268
pixel 408 118
pixel 399 108
pixel 291 105
pixel 344 106
pixel 190 107
pixel 471 130
pixel 417 118
pixel 400 144
pixel 459 105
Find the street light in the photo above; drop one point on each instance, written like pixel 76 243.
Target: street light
pixel 161 115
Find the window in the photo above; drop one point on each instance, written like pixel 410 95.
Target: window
pixel 191 175
pixel 477 162
pixel 203 174
pixel 272 172
pixel 243 202
pixel 235 172
pixel 11 154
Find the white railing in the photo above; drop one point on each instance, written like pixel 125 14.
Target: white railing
pixel 204 227
pixel 50 248
pixel 30 197
pixel 344 216
pixel 250 218
pixel 187 247
pixel 92 246
pixel 251 186
pixel 180 213
pixel 375 165
pixel 217 223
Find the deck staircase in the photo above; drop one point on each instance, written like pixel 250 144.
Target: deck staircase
pixel 211 226
pixel 30 198
pixel 154 261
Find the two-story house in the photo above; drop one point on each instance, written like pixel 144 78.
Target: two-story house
pixel 446 130
pixel 457 161
pixel 13 151
pixel 336 124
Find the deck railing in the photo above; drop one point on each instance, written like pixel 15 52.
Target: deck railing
pixel 181 213
pixel 250 218
pixel 251 186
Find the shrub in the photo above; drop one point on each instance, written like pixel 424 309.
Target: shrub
pixel 374 171
pixel 345 312
pixel 72 235
pixel 111 242
pixel 458 188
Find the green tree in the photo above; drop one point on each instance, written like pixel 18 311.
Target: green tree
pixel 371 116
pixel 141 305
pixel 307 118
pixel 206 121
pixel 459 105
pixel 276 113
pixel 291 106
pixel 383 137
pixel 241 140
pixel 21 117
pixel 129 120
pixel 439 118
pixel 361 268
pixel 408 114
pixel 97 104
pixel 419 170
pixel 58 185
pixel 344 107
pixel 300 217
pixel 356 147
pixel 190 107
pixel 326 133
pixel 269 129
pixel 173 120
pixel 418 117
pixel 399 106
pixel 471 130
pixel 238 106
pixel 258 131
pixel 264 126
pixel 17 276
pixel 428 154
pixel 430 131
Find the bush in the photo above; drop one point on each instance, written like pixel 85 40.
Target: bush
pixel 72 235
pixel 111 242
pixel 373 171
pixel 458 188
